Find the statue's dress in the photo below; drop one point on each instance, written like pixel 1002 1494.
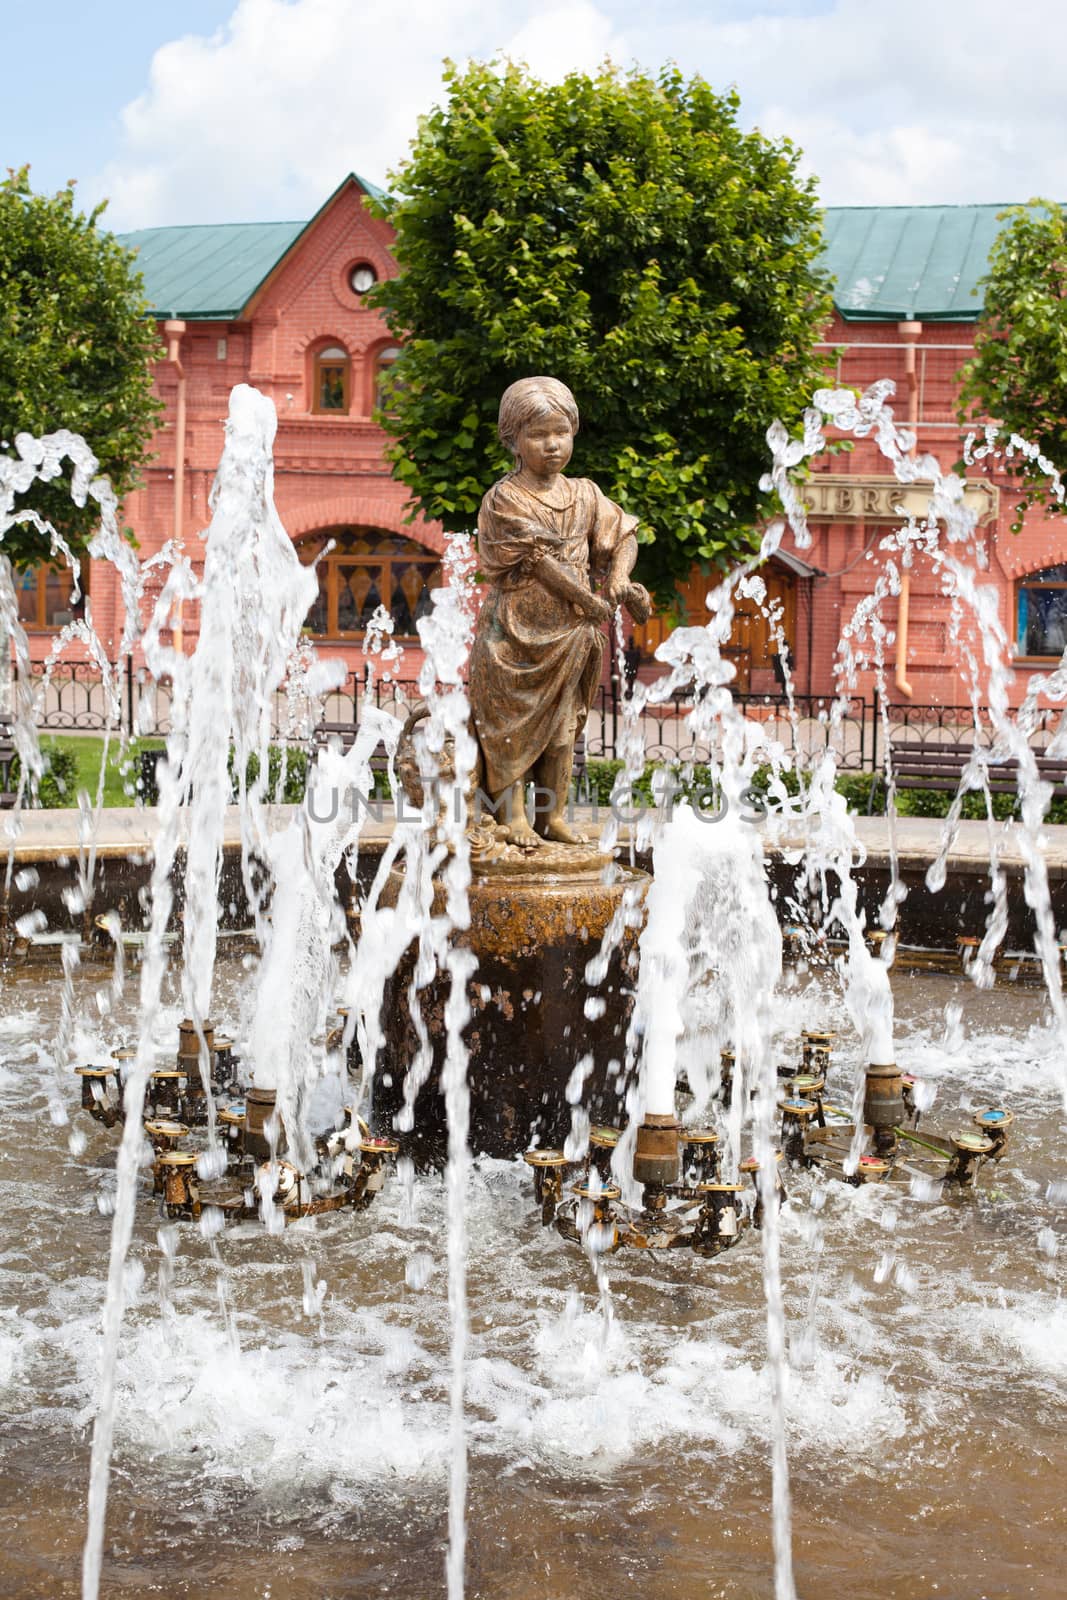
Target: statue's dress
pixel 536 661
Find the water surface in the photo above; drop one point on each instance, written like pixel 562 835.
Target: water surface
pixel 282 1422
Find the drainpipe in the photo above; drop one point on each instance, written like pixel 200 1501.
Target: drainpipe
pixel 174 330
pixel 910 333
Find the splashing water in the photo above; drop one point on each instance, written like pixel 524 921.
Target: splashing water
pixel 712 940
pixel 819 820
pixel 254 598
pixel 446 635
pixel 708 909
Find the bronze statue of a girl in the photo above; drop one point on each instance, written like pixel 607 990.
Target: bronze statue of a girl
pixel 546 544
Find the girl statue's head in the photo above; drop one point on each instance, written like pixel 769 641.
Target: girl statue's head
pixel 528 401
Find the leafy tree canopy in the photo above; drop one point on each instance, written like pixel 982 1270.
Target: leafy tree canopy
pixel 75 349
pixel 1018 374
pixel 622 233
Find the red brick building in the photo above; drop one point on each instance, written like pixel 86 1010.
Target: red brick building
pixel 905 309
pixel 280 306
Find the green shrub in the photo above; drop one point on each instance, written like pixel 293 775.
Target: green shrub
pixel 599 781
pixel 693 783
pixel 856 788
pixel 58 783
pixel 763 777
pixel 600 775
pixel 292 791
pixel 295 768
pixel 929 803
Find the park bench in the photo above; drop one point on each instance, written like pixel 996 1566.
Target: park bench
pixel 8 789
pixel 345 734
pixel 936 765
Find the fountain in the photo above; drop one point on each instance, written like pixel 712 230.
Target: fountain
pixel 674 1076
pixel 541 898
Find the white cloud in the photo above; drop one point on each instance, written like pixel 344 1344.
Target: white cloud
pixel 264 118
pixel 903 104
pixel 902 165
pixel 567 38
pixel 909 103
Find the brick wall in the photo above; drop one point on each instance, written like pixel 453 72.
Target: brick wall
pixel 848 551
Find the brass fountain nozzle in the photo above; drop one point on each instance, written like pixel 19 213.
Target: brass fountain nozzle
pixel 970 1150
pixel 720 1219
pixel 259 1111
pixel 101 1093
pixel 751 1168
pixel 816 1045
pixel 701 1148
pixel 658 1153
pixel 231 1122
pixel 369 1176
pixel 797 1112
pixel 883 1104
pixel 995 1123
pixel 548 1167
pixel 176 1178
pixel 188 1043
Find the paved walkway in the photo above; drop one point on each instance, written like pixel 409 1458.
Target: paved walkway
pixel 917 840
pixel 131 831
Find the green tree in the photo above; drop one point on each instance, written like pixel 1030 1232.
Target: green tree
pixel 622 233
pixel 1018 374
pixel 76 348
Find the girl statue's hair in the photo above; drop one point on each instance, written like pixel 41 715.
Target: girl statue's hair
pixel 530 399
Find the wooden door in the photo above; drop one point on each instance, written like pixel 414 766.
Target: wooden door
pixel 753 643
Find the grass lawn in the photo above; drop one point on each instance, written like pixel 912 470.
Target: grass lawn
pixel 121 772
pixel 79 756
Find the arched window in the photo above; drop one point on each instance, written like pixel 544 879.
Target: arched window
pixel 1041 613
pixel 329 382
pixel 45 595
pixel 383 364
pixel 367 569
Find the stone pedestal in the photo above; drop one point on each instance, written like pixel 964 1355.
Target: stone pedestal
pixel 533 932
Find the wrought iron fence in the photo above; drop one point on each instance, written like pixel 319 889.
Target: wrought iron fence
pixel 805 727
pixel 344 706
pixel 912 727
pixel 75 698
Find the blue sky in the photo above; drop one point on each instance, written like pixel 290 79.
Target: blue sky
pixel 80 62
pixel 204 110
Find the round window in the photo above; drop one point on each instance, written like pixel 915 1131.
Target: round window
pixel 362 277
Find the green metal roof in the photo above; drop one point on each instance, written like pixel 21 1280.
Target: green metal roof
pixel 889 263
pixel 209 271
pixel 897 263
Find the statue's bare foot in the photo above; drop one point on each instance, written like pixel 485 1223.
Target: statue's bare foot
pixel 558 831
pixel 520 833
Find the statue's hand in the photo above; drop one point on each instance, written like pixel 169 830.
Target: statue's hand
pixel 637 601
pixel 598 610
